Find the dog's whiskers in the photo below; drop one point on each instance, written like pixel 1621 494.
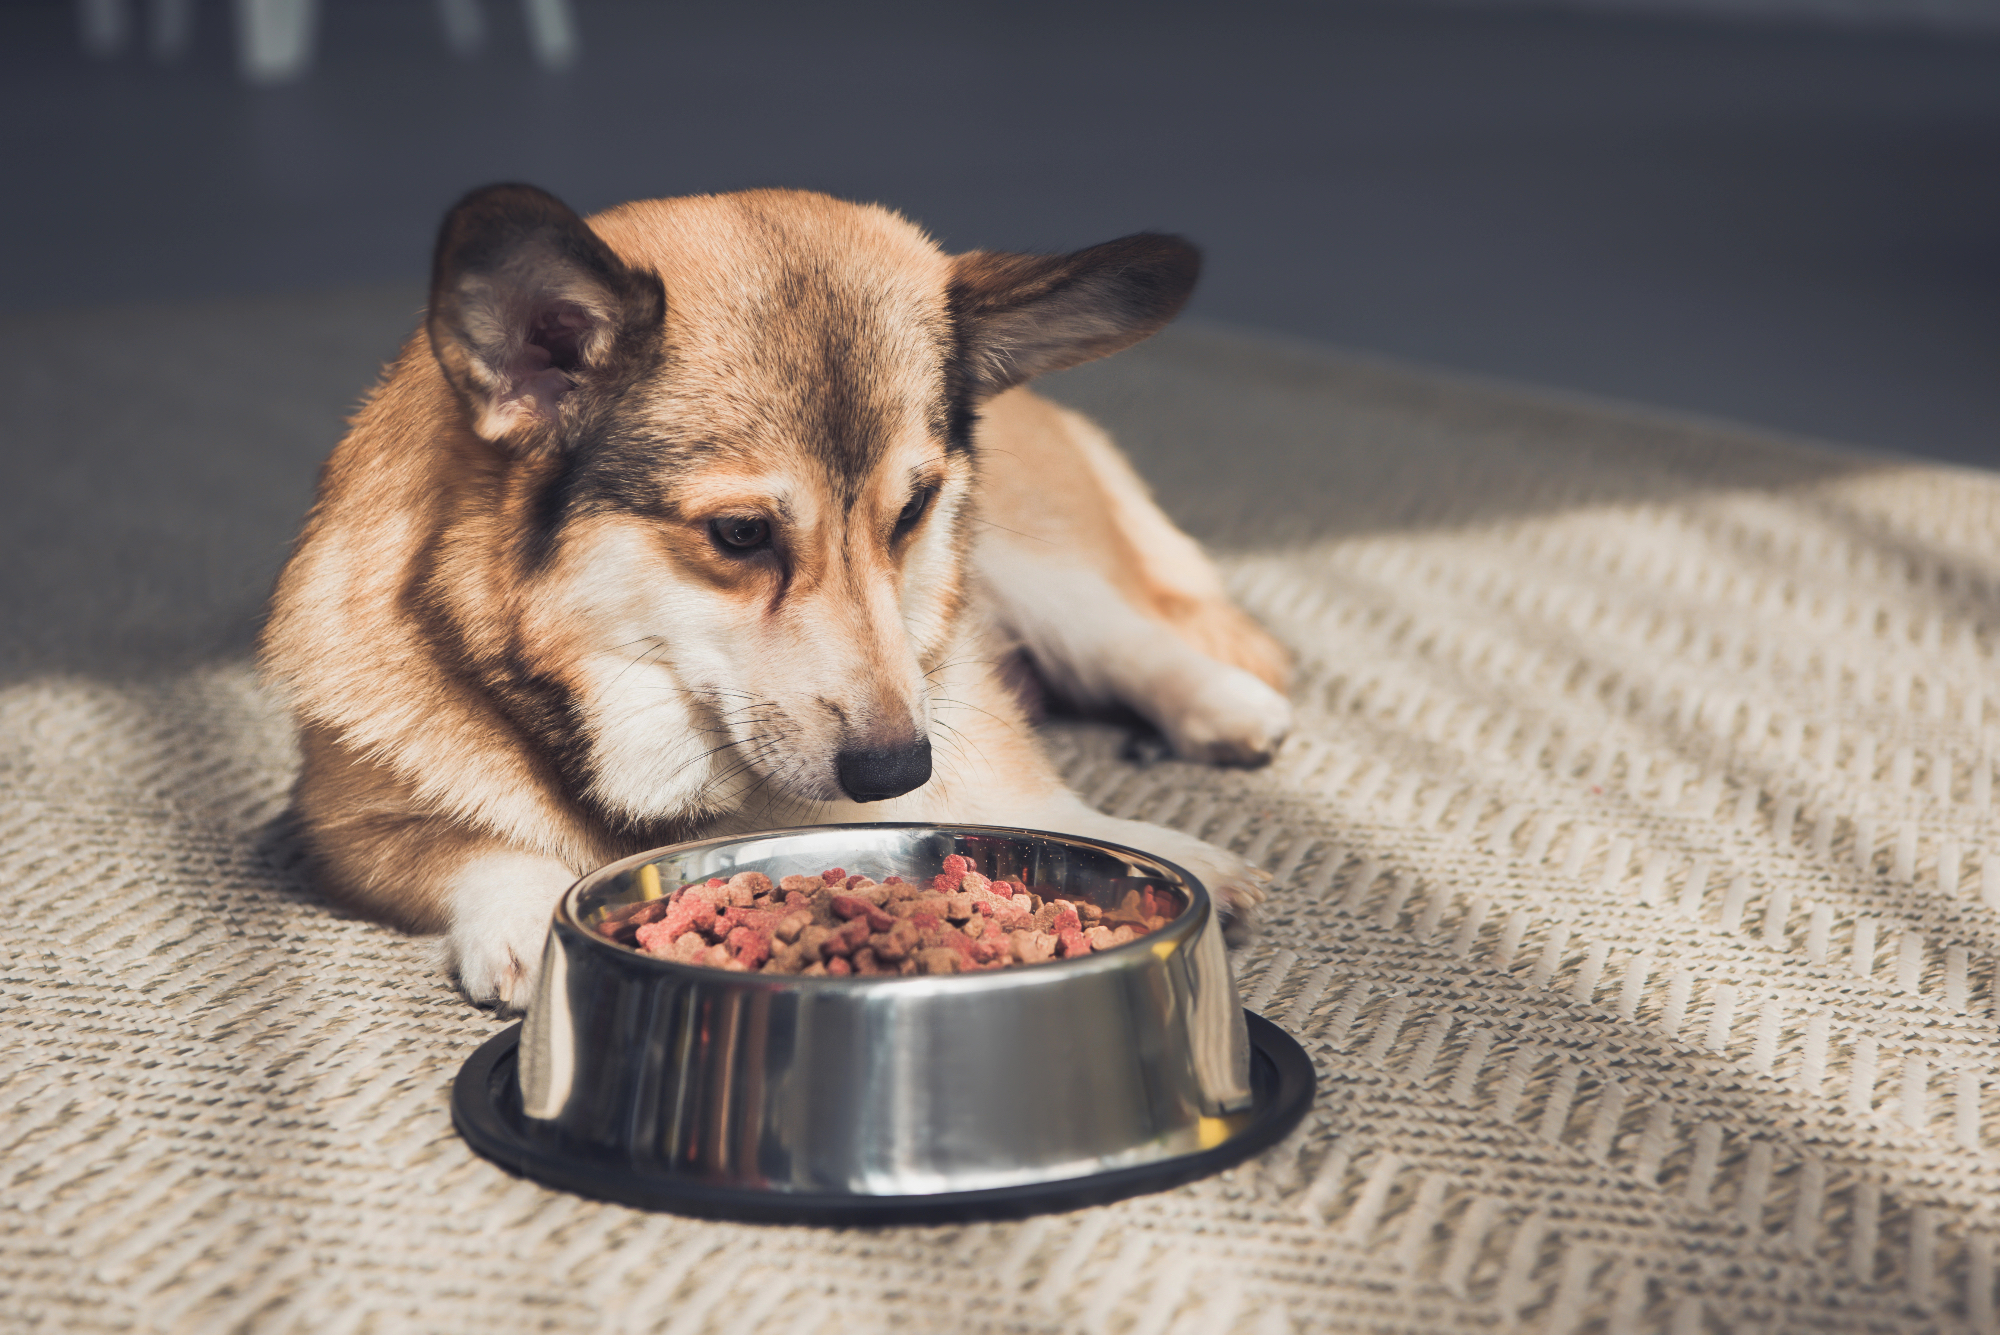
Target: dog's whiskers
pixel 658 645
pixel 960 742
pixel 947 700
pixel 960 662
pixel 746 763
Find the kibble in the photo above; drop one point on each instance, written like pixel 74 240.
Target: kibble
pixel 838 925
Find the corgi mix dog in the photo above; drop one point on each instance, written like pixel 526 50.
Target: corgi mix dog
pixel 722 513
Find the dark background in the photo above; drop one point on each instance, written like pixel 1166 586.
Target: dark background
pixel 1788 224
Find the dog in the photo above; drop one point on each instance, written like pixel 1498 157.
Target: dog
pixel 720 513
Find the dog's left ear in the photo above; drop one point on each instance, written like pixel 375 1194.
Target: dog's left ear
pixel 1021 315
pixel 533 319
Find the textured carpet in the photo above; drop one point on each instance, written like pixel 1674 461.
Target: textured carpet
pixel 1633 850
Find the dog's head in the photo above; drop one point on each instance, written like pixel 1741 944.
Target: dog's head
pixel 735 434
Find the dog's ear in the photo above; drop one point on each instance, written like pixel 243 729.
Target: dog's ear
pixel 532 317
pixel 1021 315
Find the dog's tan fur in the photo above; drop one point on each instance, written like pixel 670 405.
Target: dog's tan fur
pixel 520 636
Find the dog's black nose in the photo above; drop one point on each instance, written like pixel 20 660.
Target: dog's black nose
pixel 873 775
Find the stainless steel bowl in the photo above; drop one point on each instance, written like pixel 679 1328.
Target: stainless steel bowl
pixel 724 1086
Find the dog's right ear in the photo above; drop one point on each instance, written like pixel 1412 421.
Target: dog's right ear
pixel 1019 316
pixel 532 317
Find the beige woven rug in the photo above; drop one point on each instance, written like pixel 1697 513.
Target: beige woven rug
pixel 1633 850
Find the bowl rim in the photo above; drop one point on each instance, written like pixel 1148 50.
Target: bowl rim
pixel 1180 932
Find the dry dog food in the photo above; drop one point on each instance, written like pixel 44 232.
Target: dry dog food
pixel 838 924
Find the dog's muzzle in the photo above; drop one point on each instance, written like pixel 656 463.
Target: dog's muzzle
pixel 877 774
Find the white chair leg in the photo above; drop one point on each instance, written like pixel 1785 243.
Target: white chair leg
pixel 274 38
pixel 551 32
pixel 170 28
pixel 464 26
pixel 104 25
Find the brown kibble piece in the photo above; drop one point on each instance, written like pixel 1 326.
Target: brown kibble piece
pixel 898 942
pixel 645 911
pixel 938 959
pixel 858 908
pixel 1031 947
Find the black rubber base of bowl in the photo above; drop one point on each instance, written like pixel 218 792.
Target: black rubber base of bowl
pixel 486 1109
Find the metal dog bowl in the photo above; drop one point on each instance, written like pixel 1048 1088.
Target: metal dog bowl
pixel 883 1099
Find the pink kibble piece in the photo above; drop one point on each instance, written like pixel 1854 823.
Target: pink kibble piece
pixel 749 946
pixel 655 937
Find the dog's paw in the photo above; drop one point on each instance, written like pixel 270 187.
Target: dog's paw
pixel 490 972
pixel 1231 718
pixel 1236 886
pixel 500 912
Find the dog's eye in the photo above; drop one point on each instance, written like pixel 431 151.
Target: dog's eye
pixel 914 511
pixel 740 534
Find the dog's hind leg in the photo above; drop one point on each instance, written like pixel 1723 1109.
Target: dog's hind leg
pixel 1112 602
pixel 1093 647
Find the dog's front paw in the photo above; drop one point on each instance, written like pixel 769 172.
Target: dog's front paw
pixel 1230 719
pixel 500 912
pixel 1236 886
pixel 493 970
